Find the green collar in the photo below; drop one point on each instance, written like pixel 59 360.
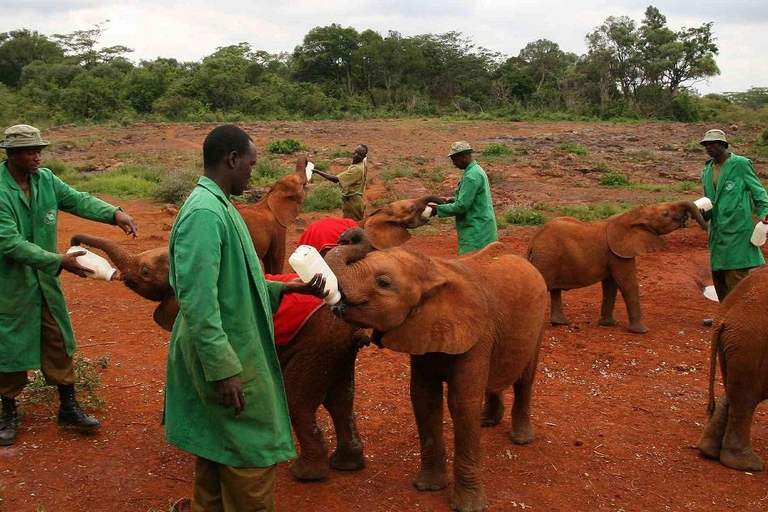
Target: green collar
pixel 210 185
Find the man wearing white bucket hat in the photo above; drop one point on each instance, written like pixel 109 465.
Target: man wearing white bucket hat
pixel 35 330
pixel 730 183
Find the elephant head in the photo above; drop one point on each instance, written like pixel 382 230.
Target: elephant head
pixel 639 230
pixel 409 299
pixel 388 226
pixel 146 273
pixel 286 196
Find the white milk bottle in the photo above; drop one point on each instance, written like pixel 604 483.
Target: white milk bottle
pixel 101 267
pixel 307 262
pixel 703 203
pixel 760 232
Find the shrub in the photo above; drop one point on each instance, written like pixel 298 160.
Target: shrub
pixel 284 147
pixel 576 149
pixel 495 149
pixel 176 185
pixel 402 171
pixel 761 145
pixel 521 215
pixel 322 197
pixel 56 166
pixel 614 179
pixel 266 173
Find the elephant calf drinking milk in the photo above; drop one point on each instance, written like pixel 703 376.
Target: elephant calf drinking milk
pixel 573 254
pixel 474 322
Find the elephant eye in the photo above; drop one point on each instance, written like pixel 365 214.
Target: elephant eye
pixel 666 213
pixel 384 282
pixel 144 271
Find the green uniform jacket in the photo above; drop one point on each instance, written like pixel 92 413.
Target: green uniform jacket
pixel 731 222
pixel 473 209
pixel 29 264
pixel 352 180
pixel 224 329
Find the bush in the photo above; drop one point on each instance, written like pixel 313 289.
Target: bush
pixel 576 149
pixel 322 197
pixel 497 150
pixel 284 147
pixel 402 171
pixel 614 179
pixel 521 215
pixel 761 145
pixel 176 185
pixel 266 173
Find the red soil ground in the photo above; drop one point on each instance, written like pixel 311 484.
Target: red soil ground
pixel 616 414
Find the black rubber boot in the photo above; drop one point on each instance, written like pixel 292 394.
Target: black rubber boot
pixel 70 413
pixel 9 422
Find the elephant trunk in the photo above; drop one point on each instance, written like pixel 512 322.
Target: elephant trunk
pixel 123 260
pixel 353 246
pixel 695 214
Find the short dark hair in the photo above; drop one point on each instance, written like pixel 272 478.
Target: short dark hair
pixel 222 141
pixel 364 147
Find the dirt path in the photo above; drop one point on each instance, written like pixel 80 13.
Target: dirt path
pixel 615 414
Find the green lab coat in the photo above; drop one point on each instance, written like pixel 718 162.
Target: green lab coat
pixel 731 221
pixel 473 209
pixel 224 329
pixel 29 264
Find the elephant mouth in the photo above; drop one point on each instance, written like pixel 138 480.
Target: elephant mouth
pixel 376 337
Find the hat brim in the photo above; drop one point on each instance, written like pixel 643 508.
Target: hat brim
pixel 714 140
pixel 41 144
pixel 464 152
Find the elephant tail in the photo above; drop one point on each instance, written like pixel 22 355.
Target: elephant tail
pixel 714 350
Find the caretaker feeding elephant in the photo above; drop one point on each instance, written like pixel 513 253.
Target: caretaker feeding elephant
pixel 475 323
pixel 571 254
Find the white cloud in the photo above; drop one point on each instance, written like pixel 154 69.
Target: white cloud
pixel 191 29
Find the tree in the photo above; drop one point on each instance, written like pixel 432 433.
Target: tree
pixel 546 63
pixel 20 48
pixel 326 55
pixel 615 43
pixel 80 46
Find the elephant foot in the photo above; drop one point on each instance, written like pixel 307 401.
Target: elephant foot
pixel 638 328
pixel 347 460
pixel 493 411
pixel 744 460
pixel 607 321
pixel 431 480
pixel 303 469
pixel 468 500
pixel 522 435
pixel 559 319
pixel 709 446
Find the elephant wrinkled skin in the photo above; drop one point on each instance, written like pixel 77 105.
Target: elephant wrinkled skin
pixel 571 254
pixel 740 340
pixel 475 322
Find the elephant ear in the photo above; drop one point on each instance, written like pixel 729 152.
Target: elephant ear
pixel 450 318
pixel 628 236
pixel 166 312
pixel 384 234
pixel 282 206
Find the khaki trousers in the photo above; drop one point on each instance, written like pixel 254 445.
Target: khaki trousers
pixel 56 365
pixel 353 207
pixel 726 280
pixel 220 488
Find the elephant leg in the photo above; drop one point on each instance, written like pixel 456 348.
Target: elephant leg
pixel 626 279
pixel 737 450
pixel 339 402
pixel 465 403
pixel 711 440
pixel 557 315
pixel 609 301
pixel 493 410
pixel 522 430
pixel 427 400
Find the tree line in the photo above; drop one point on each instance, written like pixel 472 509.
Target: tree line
pixel 630 70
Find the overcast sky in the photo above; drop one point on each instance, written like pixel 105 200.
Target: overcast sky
pixel 191 29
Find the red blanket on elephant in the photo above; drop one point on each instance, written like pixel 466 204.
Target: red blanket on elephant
pixel 294 311
pixel 325 232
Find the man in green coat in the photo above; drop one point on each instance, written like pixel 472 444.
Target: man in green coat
pixel 35 330
pixel 225 400
pixel 472 205
pixel 731 184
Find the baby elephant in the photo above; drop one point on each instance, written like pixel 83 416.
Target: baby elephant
pixel 740 339
pixel 571 254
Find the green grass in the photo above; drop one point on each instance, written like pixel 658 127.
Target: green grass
pixel 522 216
pixel 614 179
pixel 760 148
pixel 341 153
pixel 266 172
pixel 435 179
pixel 322 197
pixel 125 181
pixel 88 377
pixel 693 146
pixel 401 171
pixel 576 149
pixel 496 149
pixel 590 212
pixel 284 146
pixel 683 186
pixel 322 165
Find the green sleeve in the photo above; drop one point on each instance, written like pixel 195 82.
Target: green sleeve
pixel 82 204
pixel 197 249
pixel 275 294
pixel 470 184
pixel 756 190
pixel 15 247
